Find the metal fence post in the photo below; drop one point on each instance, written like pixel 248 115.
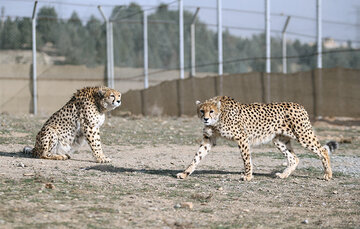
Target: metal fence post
pixel 181 38
pixel 220 43
pixel 34 75
pixel 267 35
pixel 319 33
pixel 109 50
pixel 220 49
pixel 284 45
pixel 192 37
pixel 146 67
pixel 268 51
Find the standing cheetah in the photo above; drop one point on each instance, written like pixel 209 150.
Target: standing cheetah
pixel 78 120
pixel 253 124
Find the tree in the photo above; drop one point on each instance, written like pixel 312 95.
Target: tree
pixel 47 25
pixel 97 32
pixel 10 36
pixel 85 43
pixel 25 27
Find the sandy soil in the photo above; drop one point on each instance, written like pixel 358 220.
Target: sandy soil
pixel 138 189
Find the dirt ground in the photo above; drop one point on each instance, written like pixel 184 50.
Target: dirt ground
pixel 138 189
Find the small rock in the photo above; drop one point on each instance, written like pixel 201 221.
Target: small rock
pixel 49 186
pixel 188 205
pixel 284 164
pixel 305 221
pixel 221 189
pixel 335 192
pixel 21 165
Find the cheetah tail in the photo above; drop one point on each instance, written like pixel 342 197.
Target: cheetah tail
pixel 331 146
pixel 28 150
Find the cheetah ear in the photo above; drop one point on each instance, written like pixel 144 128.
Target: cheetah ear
pixel 197 102
pixel 218 104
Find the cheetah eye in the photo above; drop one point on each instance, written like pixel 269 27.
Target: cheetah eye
pixel 211 111
pixel 202 111
pixel 112 96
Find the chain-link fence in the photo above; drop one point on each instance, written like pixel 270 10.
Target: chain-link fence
pixel 71 41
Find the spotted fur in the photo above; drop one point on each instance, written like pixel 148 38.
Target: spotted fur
pixel 77 122
pixel 257 123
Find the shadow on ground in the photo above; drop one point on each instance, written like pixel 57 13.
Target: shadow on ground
pixel 14 154
pixel 167 172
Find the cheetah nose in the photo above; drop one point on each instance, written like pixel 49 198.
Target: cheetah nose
pixel 205 119
pixel 118 101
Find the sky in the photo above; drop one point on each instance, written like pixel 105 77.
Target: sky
pixel 341 18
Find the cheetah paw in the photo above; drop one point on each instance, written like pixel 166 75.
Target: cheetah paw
pixel 103 160
pixel 246 178
pixel 282 175
pixel 327 177
pixel 181 175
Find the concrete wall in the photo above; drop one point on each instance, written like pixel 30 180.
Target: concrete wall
pixel 327 92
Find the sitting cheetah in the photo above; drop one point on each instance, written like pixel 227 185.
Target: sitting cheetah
pixel 78 120
pixel 253 124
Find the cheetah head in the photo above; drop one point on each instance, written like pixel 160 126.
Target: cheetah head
pixel 209 112
pixel 109 98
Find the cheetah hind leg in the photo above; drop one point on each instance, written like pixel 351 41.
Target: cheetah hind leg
pixel 55 150
pixel 284 145
pixel 55 157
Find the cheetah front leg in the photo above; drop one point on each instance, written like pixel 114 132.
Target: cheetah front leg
pixel 244 146
pixel 93 139
pixel 284 145
pixel 204 149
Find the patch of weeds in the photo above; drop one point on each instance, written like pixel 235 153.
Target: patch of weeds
pixel 172 194
pixel 171 185
pixel 308 155
pixel 233 195
pixel 202 198
pixel 340 174
pixel 312 170
pixel 47 225
pixel 73 174
pixel 102 210
pixel 92 174
pixel 188 185
pixel 207 210
pixel 4 140
pixel 226 225
pixel 273 155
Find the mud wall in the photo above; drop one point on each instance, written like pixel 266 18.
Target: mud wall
pixel 327 92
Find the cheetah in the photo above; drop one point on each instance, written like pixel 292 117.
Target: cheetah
pixel 254 124
pixel 77 122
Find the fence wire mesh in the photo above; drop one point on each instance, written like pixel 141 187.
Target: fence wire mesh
pixel 72 45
